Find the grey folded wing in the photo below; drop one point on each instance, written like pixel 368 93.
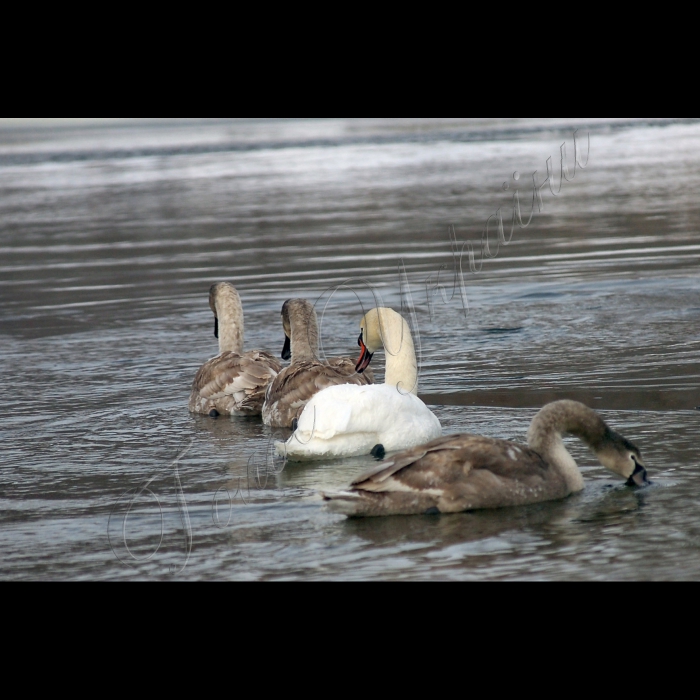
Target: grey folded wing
pixel 295 385
pixel 233 383
pixel 464 472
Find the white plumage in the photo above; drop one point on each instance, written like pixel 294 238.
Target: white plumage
pixel 349 420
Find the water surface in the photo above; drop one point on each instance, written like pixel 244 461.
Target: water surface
pixel 111 236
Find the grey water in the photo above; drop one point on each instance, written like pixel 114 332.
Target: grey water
pixel 111 234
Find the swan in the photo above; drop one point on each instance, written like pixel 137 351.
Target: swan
pixel 295 385
pixel 233 382
pixel 344 421
pixel 468 472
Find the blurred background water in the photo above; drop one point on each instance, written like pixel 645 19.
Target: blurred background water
pixel 111 233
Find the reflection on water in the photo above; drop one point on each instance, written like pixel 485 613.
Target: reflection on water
pixel 110 238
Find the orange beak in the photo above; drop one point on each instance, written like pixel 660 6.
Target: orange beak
pixel 365 357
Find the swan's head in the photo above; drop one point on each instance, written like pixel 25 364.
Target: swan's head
pixel 287 349
pixel 370 339
pixel 619 455
pixel 373 333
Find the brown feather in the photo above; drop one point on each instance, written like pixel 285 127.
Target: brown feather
pixel 295 385
pixel 456 473
pixel 232 383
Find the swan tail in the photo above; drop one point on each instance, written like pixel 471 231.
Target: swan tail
pixel 362 504
pixel 343 502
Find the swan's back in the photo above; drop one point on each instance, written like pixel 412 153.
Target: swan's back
pixel 349 420
pixel 233 383
pixel 297 384
pixel 449 475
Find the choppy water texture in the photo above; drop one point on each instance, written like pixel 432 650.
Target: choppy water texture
pixel 111 236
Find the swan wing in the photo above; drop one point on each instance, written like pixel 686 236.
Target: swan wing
pixel 232 381
pixel 376 479
pixel 347 366
pixel 459 472
pixel 297 384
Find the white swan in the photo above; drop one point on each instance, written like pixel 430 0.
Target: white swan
pixel 233 382
pixel 347 420
pixel 468 472
pixel 306 375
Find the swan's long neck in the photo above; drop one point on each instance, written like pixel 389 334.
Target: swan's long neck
pixel 401 366
pixel 555 419
pixel 229 314
pixel 304 339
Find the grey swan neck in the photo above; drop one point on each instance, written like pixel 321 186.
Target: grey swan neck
pixel 555 419
pixel 303 325
pixel 229 314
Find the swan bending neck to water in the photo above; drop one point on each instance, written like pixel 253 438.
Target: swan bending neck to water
pixel 344 421
pixel 613 451
pixel 468 472
pixel 233 382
